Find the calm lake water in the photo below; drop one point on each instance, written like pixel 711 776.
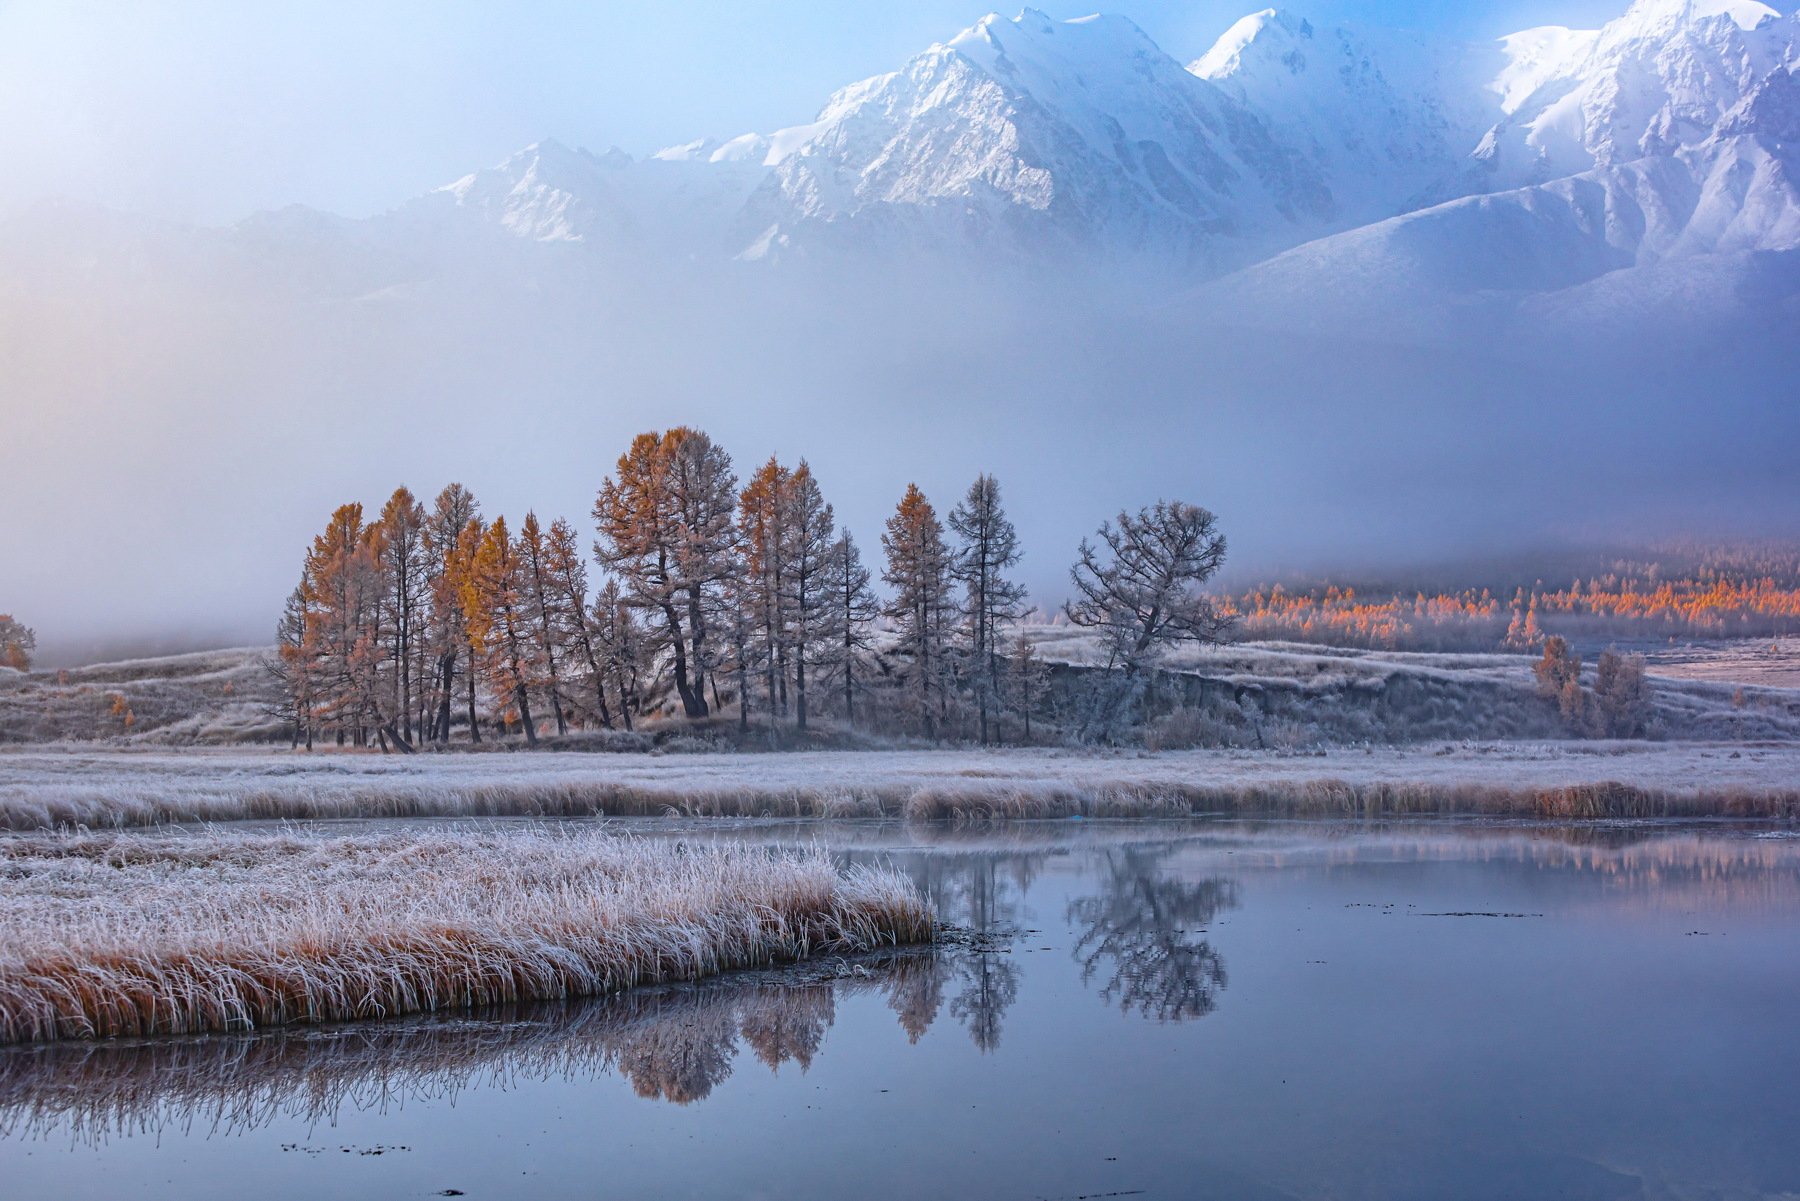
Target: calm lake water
pixel 1219 1010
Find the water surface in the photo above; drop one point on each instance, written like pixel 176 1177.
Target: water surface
pixel 1195 1010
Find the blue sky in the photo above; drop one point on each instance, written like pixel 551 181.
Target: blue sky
pixel 208 111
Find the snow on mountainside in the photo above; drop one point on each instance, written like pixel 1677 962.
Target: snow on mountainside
pixel 1659 78
pixel 1388 117
pixel 1040 139
pixel 1691 153
pixel 1032 135
pixel 1536 162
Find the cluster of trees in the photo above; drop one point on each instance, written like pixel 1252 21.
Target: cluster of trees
pixel 16 644
pixel 711 593
pixel 1618 706
pixel 1719 596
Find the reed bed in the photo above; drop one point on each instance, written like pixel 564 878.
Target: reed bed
pixel 108 935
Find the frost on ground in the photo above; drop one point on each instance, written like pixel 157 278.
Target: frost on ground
pixel 41 789
pixel 138 934
pixel 1242 694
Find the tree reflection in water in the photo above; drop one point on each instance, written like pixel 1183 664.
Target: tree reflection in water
pixel 674 1044
pixel 982 892
pixel 1142 933
pixel 677 1044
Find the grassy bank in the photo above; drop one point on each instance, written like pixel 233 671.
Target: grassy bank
pixel 133 934
pixel 47 790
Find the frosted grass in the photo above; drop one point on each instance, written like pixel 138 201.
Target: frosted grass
pixel 48 789
pixel 137 934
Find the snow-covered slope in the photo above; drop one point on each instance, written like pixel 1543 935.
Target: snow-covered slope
pixel 1387 118
pixel 1735 193
pixel 1657 79
pixel 1534 163
pixel 1049 136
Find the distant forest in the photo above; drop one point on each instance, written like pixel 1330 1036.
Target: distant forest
pixel 1683 592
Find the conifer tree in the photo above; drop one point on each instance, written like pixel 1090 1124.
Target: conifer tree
pixel 809 524
pixel 763 540
pixel 845 622
pixel 405 597
pixel 567 574
pixel 665 529
pixel 447 639
pixel 624 647
pixel 1028 680
pixel 989 547
pixel 918 569
pixel 295 669
pixel 547 625
pixel 494 599
pixel 459 579
pixel 16 643
pixel 1143 593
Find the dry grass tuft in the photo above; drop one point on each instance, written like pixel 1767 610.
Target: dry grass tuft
pixel 129 935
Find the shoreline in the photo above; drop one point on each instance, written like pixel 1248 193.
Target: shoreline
pixel 99 788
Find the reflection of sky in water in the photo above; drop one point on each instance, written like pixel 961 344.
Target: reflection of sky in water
pixel 1208 1010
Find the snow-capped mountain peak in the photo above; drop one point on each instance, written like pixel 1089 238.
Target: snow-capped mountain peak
pixel 1389 116
pixel 1035 137
pixel 1658 78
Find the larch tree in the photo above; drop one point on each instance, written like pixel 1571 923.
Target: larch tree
pixel 568 583
pixel 664 520
pixel 624 647
pixel 809 523
pixel 1028 680
pixel 405 597
pixel 761 594
pixel 342 589
pixel 459 578
pixel 295 670
pixel 1141 588
pixel 446 636
pixel 844 624
pixel 540 595
pixel 1622 700
pixel 494 598
pixel 922 609
pixel 989 547
pixel 16 643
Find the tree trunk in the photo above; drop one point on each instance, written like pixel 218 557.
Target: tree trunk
pixel 523 697
pixel 692 704
pixel 474 721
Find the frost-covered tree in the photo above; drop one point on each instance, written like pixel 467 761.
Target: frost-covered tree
pixel 1559 679
pixel 624 647
pixel 295 670
pixel 1027 680
pixel 567 583
pixel 404 600
pixel 809 523
pixel 843 634
pixel 1621 695
pixel 989 547
pixel 16 644
pixel 761 597
pixel 1141 588
pixel 342 587
pixel 446 634
pixel 546 624
pixel 923 609
pixel 665 529
pixel 494 597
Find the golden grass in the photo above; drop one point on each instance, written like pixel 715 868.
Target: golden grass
pixel 135 934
